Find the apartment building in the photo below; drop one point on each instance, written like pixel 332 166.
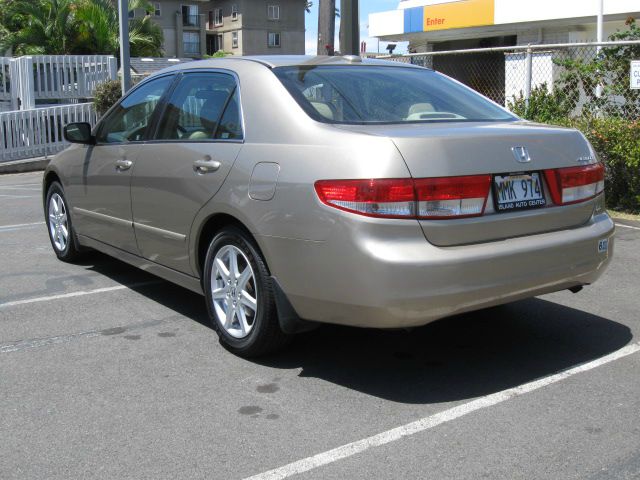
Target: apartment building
pixel 194 28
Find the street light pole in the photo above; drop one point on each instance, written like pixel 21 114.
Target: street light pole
pixel 123 10
pixel 350 27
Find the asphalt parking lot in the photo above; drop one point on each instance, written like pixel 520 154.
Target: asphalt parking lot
pixel 108 372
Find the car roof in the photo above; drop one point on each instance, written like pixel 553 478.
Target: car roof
pixel 273 61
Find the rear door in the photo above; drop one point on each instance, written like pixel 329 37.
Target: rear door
pixel 101 194
pixel 198 138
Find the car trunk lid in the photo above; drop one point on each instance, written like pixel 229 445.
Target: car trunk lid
pixel 456 149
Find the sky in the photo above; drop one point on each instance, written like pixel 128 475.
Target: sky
pixel 366 7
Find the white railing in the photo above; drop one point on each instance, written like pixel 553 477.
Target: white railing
pixel 5 67
pixel 24 80
pixel 38 132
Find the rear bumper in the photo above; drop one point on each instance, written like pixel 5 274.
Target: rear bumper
pixel 386 275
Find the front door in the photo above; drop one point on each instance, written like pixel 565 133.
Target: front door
pixel 198 139
pixel 101 194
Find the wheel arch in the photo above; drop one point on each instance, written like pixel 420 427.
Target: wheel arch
pixel 50 176
pixel 212 225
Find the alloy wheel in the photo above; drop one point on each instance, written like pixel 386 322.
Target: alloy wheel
pixel 234 291
pixel 58 222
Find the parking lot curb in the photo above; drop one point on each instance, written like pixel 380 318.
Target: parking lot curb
pixel 26 165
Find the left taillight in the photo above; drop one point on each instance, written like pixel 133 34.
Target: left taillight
pixel 386 198
pixel 424 198
pixel 575 184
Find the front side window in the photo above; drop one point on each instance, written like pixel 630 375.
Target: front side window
pixel 204 106
pixel 367 94
pixel 128 121
pixel 274 39
pixel 191 42
pixel 273 12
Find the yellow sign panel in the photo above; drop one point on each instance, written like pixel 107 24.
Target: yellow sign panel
pixel 458 14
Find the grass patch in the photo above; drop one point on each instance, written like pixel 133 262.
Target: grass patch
pixel 624 216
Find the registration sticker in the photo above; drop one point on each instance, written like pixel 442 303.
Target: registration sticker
pixel 603 245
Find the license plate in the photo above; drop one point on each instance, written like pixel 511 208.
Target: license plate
pixel 518 192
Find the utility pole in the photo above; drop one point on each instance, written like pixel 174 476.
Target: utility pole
pixel 349 27
pixel 123 10
pixel 326 27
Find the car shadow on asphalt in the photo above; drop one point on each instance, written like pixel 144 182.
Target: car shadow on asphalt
pixel 457 358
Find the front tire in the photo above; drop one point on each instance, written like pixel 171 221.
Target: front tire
pixel 59 226
pixel 239 296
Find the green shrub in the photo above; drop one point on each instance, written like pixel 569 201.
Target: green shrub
pixel 617 143
pixel 219 54
pixel 107 94
pixel 544 106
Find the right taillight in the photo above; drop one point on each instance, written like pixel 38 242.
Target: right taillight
pixel 575 184
pixel 423 198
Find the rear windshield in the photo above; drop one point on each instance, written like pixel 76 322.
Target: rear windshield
pixel 379 94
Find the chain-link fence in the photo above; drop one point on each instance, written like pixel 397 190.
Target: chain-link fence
pixel 576 79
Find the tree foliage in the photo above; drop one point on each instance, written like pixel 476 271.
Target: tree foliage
pixel 58 27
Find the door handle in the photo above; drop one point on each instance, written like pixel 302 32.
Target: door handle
pixel 123 164
pixel 206 166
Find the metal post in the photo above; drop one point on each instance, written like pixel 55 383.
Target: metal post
pixel 600 28
pixel 123 8
pixel 349 27
pixel 528 75
pixel 600 22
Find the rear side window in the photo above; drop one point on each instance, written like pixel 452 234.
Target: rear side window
pixel 203 107
pixel 128 121
pixel 373 94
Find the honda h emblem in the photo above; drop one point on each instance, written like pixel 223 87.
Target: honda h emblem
pixel 521 154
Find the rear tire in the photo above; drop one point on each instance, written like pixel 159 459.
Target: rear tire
pixel 239 295
pixel 59 225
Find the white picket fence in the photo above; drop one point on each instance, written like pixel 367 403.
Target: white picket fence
pixel 38 132
pixel 25 80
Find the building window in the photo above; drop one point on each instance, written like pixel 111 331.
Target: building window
pixel 132 13
pixel 274 39
pixel 273 12
pixel 156 9
pixel 190 17
pixel 234 39
pixel 218 20
pixel 191 41
pixel 234 12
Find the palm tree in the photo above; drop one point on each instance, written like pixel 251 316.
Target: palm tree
pixel 98 29
pixel 38 27
pixel 54 27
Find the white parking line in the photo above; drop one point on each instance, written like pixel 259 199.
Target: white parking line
pixel 627 226
pixel 21 185
pixel 432 421
pixel 6 228
pixel 76 294
pixel 20 196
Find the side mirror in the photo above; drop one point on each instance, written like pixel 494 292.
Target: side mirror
pixel 78 133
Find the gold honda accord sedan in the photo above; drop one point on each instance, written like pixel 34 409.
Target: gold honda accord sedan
pixel 292 191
